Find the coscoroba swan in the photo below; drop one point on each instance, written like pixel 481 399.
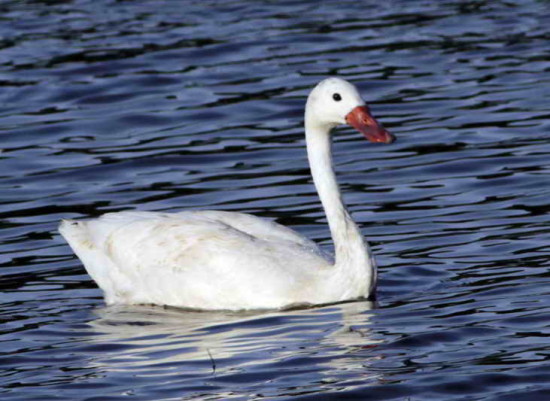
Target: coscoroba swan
pixel 222 260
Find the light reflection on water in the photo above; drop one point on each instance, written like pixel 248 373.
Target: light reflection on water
pixel 167 106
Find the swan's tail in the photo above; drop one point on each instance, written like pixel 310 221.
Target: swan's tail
pixel 76 234
pixel 97 264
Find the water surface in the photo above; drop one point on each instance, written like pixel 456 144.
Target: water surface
pixel 165 106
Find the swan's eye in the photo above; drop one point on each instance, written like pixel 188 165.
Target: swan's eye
pixel 337 97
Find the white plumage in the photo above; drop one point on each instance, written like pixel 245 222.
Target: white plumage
pixel 222 260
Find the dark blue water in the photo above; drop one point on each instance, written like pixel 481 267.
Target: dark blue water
pixel 165 105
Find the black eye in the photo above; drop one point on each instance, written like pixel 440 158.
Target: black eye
pixel 337 97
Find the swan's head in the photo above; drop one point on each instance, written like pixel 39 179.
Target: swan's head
pixel 335 101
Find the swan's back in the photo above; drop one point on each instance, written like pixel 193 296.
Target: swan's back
pixel 204 259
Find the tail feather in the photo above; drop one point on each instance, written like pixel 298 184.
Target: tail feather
pixel 97 264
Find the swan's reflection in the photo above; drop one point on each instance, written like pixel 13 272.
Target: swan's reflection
pixel 157 341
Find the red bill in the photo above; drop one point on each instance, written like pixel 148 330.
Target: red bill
pixel 362 120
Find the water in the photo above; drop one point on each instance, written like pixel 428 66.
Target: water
pixel 150 105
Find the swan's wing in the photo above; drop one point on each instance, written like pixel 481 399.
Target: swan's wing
pixel 193 259
pixel 252 225
pixel 255 226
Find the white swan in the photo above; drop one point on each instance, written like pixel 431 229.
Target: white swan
pixel 223 260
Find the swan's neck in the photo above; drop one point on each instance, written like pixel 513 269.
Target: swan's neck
pixel 352 255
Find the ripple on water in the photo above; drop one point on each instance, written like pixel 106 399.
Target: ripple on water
pixel 172 106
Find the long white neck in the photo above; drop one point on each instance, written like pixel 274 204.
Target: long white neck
pixel 353 262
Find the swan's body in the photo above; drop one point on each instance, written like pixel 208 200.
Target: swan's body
pixel 222 260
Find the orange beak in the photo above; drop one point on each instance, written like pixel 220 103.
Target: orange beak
pixel 362 120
